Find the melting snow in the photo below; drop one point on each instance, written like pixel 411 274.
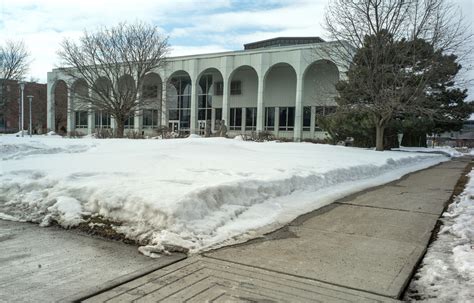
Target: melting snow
pixel 447 271
pixel 195 193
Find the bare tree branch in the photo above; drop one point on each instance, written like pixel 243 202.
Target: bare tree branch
pixel 112 63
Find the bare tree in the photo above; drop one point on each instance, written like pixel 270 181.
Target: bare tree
pixel 113 63
pixel 378 25
pixel 14 63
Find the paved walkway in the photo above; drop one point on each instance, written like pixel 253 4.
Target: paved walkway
pixel 52 264
pixel 362 248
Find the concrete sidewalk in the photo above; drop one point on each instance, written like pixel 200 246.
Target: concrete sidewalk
pixel 361 248
pixel 52 264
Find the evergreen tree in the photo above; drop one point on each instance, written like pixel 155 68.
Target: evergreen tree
pixel 391 81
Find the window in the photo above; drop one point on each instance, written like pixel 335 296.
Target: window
pixel 235 87
pixel 130 122
pixel 287 118
pixel 102 119
pixel 218 88
pixel 235 119
pixel 81 119
pixel 269 118
pixel 306 118
pixel 180 107
pixel 251 118
pixel 150 118
pixel 205 98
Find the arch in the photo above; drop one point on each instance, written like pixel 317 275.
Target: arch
pixel 60 91
pixel 126 86
pixel 102 86
pixel 279 97
pixel 209 99
pixel 80 87
pixel 150 102
pixel 152 86
pixel 319 83
pixel 178 99
pixel 243 98
pixel 79 104
pixel 278 65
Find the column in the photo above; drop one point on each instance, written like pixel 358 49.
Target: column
pixel 90 120
pixel 277 121
pixel 164 108
pixel 194 106
pixel 260 105
pixel 90 116
pixel 50 117
pixel 225 100
pixel 137 115
pixel 298 109
pixel 70 113
pixel 213 120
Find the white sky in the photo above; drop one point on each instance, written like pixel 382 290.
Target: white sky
pixel 199 26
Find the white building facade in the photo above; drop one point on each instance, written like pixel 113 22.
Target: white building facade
pixel 280 86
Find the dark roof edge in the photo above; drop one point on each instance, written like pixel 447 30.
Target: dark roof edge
pixel 276 38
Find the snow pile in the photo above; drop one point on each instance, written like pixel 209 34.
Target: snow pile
pixel 447 271
pixel 443 150
pixel 195 193
pixel 34 147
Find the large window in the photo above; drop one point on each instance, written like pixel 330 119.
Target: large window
pixel 235 119
pixel 251 118
pixel 269 118
pixel 306 118
pixel 150 118
pixel 287 118
pixel 180 106
pixel 205 98
pixel 81 119
pixel 102 119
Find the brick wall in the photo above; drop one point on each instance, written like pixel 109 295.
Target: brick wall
pixel 9 106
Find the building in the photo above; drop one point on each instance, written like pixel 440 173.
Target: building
pixel 10 106
pixel 279 85
pixel 461 138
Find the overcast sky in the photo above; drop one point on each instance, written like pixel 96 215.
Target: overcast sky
pixel 193 26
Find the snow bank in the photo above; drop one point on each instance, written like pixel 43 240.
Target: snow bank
pixel 195 193
pixel 443 150
pixel 447 270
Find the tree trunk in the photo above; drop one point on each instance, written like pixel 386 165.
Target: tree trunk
pixel 119 128
pixel 379 137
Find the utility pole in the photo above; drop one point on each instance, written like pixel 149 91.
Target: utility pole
pixel 30 98
pixel 22 87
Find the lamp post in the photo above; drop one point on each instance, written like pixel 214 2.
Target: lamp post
pixel 30 98
pixel 22 87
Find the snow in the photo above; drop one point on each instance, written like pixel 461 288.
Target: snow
pixel 197 193
pixel 447 271
pixel 444 150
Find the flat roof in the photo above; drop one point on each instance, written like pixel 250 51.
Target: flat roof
pixel 283 41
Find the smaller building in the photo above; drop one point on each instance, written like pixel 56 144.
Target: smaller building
pixel 461 138
pixel 10 104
